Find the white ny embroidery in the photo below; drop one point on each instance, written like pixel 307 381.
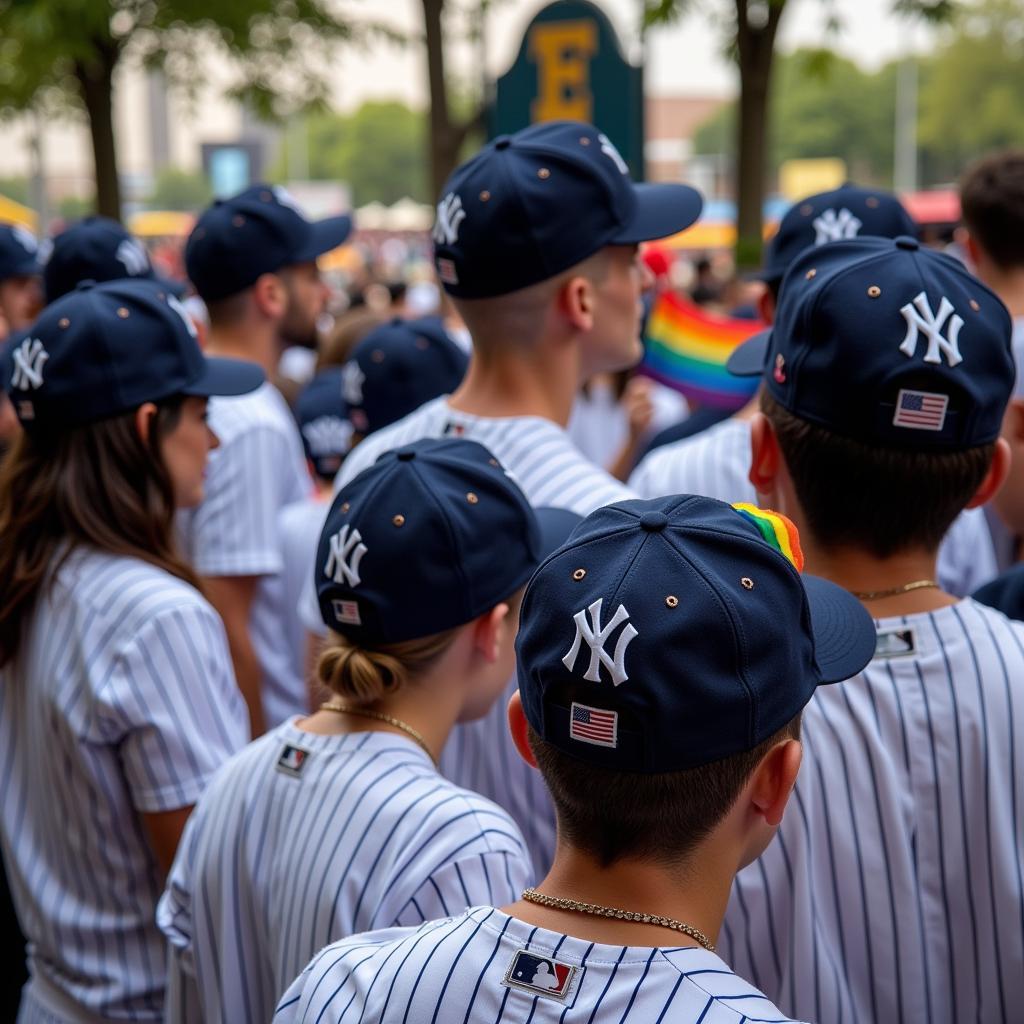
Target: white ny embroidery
pixel 340 567
pixel 29 357
pixel 921 318
pixel 183 313
pixel 609 150
pixel 352 378
pixel 450 216
pixel 833 227
pixel 132 257
pixel 595 636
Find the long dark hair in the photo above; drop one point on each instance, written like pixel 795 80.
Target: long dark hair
pixel 98 485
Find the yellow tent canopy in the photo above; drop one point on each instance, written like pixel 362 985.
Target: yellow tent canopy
pixel 161 223
pixel 14 213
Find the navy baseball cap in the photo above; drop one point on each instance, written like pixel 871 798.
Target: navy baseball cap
pixel 675 632
pixel 105 349
pixel 846 212
pixel 97 249
pixel 323 422
pixel 19 252
pixel 398 367
pixel 429 537
pixel 533 204
pixel 257 232
pixel 886 342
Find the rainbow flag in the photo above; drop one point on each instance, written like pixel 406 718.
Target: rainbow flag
pixel 778 530
pixel 686 348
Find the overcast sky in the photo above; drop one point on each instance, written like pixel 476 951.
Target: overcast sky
pixel 683 58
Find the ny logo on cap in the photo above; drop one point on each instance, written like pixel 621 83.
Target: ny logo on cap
pixel 352 378
pixel 595 636
pixel 609 150
pixel 25 239
pixel 921 318
pixel 29 357
pixel 450 216
pixel 132 257
pixel 285 198
pixel 183 313
pixel 345 553
pixel 834 227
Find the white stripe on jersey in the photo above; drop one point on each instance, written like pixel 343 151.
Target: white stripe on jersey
pixel 274 864
pixel 453 971
pixel 893 891
pixel 716 462
pixel 258 469
pixel 121 702
pixel 552 472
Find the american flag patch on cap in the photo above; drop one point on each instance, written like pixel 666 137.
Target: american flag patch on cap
pixel 347 611
pixel 447 272
pixel 920 410
pixel 593 725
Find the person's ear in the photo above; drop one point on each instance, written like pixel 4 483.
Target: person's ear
pixel 145 421
pixel 270 296
pixel 487 633
pixel 773 781
pixel 517 726
pixel 1000 467
pixel 765 455
pixel 577 301
pixel 967 240
pixel 766 305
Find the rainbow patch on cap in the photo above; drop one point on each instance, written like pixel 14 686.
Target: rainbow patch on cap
pixel 778 531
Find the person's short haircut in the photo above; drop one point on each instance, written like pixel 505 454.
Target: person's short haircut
pixel 879 500
pixel 657 818
pixel 992 205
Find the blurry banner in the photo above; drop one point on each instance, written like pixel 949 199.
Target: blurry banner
pixel 687 346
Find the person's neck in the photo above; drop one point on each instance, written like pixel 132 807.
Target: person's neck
pixel 251 342
pixel 430 710
pixel 517 385
pixel 862 573
pixel 695 895
pixel 753 406
pixel 1009 286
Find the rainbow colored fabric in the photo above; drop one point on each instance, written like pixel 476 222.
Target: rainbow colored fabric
pixel 686 348
pixel 777 530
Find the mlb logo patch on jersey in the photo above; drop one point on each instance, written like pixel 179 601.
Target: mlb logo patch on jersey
pixel 292 760
pixel 896 643
pixel 540 976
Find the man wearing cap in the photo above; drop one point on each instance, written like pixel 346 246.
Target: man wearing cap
pixel 252 259
pixel 716 461
pixel 895 892
pixel 665 652
pixel 536 244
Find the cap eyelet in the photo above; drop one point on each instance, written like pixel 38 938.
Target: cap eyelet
pixel 377 356
pixel 238 220
pixel 811 273
pixel 63 322
pixel 398 520
pixel 672 601
pixel 748 583
pixel 974 305
pixel 422 344
pixel 872 201
pixel 543 174
pixel 807 209
pixel 123 313
pixel 485 196
pixel 584 140
pixel 579 574
pixel 199 233
pixel 874 291
pixel 344 507
pixel 494 462
pixel 472 498
pixel 266 196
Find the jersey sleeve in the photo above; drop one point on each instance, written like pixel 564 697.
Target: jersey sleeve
pixel 172 707
pixel 234 532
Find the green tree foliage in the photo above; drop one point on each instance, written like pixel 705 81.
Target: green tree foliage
pixel 378 150
pixel 179 190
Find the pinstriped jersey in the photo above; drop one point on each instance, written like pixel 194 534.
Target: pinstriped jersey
pixel 893 891
pixel 552 472
pixel 486 966
pixel 303 839
pixel 716 462
pixel 258 469
pixel 121 702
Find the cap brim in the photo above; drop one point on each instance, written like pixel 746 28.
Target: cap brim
pixel 226 377
pixel 748 359
pixel 555 526
pixel 844 633
pixel 661 210
pixel 29 267
pixel 324 236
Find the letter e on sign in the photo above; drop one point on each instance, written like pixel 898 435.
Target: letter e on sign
pixel 562 51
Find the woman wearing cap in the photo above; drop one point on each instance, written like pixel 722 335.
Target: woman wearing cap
pixel 117 699
pixel 340 822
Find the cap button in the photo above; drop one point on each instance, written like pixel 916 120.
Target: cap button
pixel 908 243
pixel 653 522
pixel 406 456
pixel 503 142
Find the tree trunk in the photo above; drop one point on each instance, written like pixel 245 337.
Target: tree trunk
pixel 756 50
pixel 442 149
pixel 96 85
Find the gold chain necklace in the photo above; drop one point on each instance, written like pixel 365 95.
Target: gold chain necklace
pixel 874 595
pixel 558 903
pixel 347 709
